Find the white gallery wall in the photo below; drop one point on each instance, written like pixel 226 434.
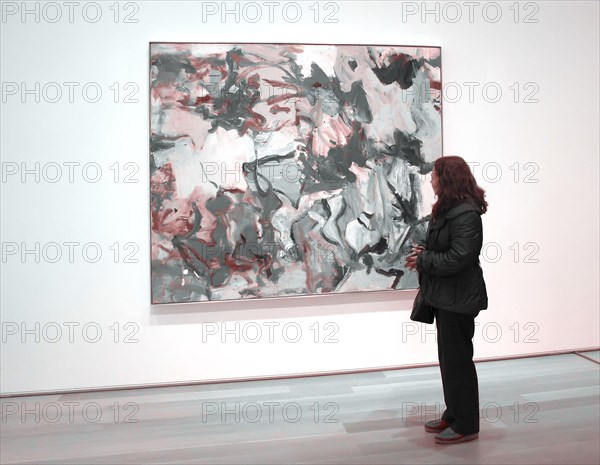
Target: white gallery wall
pixel 75 270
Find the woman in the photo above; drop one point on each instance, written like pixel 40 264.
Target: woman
pixel 451 280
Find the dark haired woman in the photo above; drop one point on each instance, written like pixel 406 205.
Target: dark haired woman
pixel 451 280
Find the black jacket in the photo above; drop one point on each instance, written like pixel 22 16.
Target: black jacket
pixel 450 275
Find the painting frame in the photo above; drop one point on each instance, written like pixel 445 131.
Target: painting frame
pixel 270 44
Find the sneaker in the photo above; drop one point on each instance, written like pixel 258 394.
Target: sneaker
pixel 436 426
pixel 449 436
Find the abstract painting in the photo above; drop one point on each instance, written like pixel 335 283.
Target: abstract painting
pixel 288 169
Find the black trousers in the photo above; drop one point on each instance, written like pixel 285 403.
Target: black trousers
pixel 459 378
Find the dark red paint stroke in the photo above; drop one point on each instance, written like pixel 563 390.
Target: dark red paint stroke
pixel 285 85
pixel 437 85
pixel 276 109
pixel 202 100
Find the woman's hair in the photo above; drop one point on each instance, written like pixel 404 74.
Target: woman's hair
pixel 456 185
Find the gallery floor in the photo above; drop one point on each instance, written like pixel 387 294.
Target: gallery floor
pixel 533 410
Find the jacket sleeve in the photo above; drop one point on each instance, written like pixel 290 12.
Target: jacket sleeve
pixel 466 237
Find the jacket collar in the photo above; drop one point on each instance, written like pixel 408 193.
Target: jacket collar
pixel 454 212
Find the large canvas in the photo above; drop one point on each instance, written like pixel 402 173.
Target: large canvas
pixel 286 169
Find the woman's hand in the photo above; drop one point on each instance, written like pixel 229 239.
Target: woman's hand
pixel 411 260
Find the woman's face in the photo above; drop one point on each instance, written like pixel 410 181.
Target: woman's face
pixel 435 183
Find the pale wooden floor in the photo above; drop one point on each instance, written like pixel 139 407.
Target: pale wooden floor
pixel 534 410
